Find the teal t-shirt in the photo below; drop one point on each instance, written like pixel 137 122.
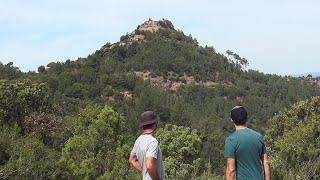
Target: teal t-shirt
pixel 247 147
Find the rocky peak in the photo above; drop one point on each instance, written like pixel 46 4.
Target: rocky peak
pixel 136 35
pixel 150 25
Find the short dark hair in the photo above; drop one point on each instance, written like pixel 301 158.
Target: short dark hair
pixel 239 115
pixel 148 126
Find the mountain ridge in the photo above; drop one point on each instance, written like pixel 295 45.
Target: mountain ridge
pixel 313 74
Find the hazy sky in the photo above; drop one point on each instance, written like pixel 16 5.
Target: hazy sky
pixel 276 36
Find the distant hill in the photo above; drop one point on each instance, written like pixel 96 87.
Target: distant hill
pixel 158 67
pixel 154 67
pixel 313 74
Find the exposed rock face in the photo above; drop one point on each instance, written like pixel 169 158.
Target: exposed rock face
pixel 127 95
pixel 135 36
pixel 150 25
pixel 169 83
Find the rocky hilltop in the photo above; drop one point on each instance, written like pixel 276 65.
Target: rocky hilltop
pixel 152 26
pixel 138 35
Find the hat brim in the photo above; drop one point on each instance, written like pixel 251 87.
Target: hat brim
pixel 155 120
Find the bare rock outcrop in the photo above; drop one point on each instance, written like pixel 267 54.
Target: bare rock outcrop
pixel 172 80
pixel 136 35
pixel 150 25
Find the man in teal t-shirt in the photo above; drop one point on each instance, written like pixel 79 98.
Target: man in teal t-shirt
pixel 245 151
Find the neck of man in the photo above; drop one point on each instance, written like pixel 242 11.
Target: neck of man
pixel 148 132
pixel 240 127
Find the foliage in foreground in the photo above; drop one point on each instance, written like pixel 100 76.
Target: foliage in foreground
pixel 181 149
pixel 98 149
pixel 294 140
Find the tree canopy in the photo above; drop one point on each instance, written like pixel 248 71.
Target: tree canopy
pixel 77 119
pixel 293 138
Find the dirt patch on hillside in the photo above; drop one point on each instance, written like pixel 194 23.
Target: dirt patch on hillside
pixel 172 81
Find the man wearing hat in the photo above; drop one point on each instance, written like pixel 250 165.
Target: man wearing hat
pixel 146 156
pixel 245 151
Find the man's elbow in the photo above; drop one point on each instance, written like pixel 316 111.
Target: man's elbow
pixel 266 161
pixel 231 172
pixel 149 166
pixel 266 166
pixel 131 160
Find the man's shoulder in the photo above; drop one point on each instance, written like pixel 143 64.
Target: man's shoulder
pixel 152 139
pixel 231 137
pixel 255 133
pixel 147 139
pixel 238 134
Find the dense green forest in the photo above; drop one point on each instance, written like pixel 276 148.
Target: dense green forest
pixel 293 138
pixel 78 119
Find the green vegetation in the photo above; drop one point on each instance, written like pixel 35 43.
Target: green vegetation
pixel 8 71
pixel 20 98
pixel 293 137
pixel 98 148
pixel 181 148
pixel 73 119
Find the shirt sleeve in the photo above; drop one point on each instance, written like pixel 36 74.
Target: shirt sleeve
pixel 229 150
pixel 152 150
pixel 134 150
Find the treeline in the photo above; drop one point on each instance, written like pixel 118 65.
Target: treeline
pixel 72 120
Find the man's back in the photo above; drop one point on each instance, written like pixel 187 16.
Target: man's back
pixel 247 148
pixel 148 146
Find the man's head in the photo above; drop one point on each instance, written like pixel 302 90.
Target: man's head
pixel 148 120
pixel 239 115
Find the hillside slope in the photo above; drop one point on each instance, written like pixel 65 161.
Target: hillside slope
pixel 154 67
pixel 198 86
pixel 157 52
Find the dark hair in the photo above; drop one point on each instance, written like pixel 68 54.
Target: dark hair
pixel 239 115
pixel 148 126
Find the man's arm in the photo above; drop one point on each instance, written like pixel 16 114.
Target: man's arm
pixel 231 169
pixel 266 167
pixel 151 168
pixel 135 163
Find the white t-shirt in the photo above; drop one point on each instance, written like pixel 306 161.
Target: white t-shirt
pixel 148 146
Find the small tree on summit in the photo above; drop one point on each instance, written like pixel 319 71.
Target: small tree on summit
pixel 167 24
pixel 41 69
